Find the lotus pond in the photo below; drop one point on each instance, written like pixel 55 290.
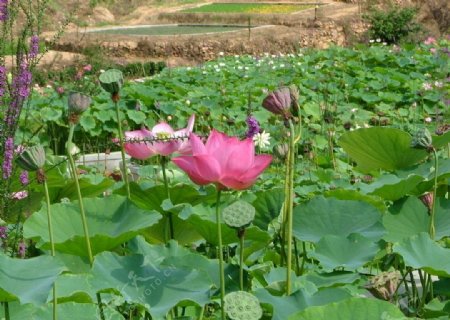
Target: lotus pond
pixel 312 185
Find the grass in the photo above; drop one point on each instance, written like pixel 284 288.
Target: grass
pixel 248 8
pixel 169 30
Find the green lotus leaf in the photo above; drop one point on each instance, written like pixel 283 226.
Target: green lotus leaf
pixel 28 280
pixel 111 221
pixel 381 148
pixel 329 216
pixel 157 288
pixel 352 309
pixel 420 252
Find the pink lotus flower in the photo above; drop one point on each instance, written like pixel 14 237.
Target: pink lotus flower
pixel 223 160
pixel 145 150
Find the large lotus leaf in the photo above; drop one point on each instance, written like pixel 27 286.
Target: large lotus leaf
pixel 426 170
pixel 390 187
pixel 75 288
pixel 111 221
pixel 268 206
pixel 420 252
pixel 173 254
pixel 345 194
pixel 442 140
pixel 409 216
pixel 157 288
pixel 153 197
pixel 91 186
pixel 333 279
pixel 350 252
pixel 207 227
pixel 83 311
pixel 381 148
pixel 28 280
pixel 283 306
pixel 352 309
pixel 329 216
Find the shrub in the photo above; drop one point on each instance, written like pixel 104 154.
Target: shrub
pixel 392 25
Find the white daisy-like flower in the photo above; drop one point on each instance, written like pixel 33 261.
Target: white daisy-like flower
pixel 222 64
pixel 221 53
pixel 262 140
pixel 428 119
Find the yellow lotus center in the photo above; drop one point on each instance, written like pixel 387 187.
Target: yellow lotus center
pixel 163 135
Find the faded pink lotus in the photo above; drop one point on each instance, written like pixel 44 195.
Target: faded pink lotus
pixel 224 161
pixel 145 150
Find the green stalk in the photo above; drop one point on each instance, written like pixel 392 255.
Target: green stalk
pixel 52 243
pixel 433 205
pixel 166 184
pixel 241 235
pixel 6 306
pixel 122 152
pixel 80 198
pixel 221 269
pixel 82 212
pixel 290 205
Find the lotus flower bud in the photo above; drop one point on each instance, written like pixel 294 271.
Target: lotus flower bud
pixel 422 140
pixel 111 81
pixel 32 159
pixel 279 102
pixel 78 103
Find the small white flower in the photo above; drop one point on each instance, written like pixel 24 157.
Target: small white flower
pixel 246 68
pixel 240 67
pixel 282 65
pixel 222 64
pixel 169 118
pixel 354 110
pixel 378 40
pixel 188 68
pixel 371 41
pixel 204 72
pixel 428 119
pixel 101 70
pixel 427 86
pixel 262 140
pixel 236 56
pixel 366 125
pixel 221 53
pixel 188 102
pixel 274 67
pixel 384 43
pixel 438 84
pixel 217 70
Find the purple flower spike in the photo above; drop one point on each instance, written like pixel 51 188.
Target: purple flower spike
pixel 253 126
pixel 3 10
pixel 34 47
pixel 8 158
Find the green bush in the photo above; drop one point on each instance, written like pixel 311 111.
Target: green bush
pixel 392 25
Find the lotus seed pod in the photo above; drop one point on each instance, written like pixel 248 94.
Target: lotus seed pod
pixel 32 159
pixel 239 214
pixel 241 305
pixel 78 103
pixel 422 139
pixel 111 80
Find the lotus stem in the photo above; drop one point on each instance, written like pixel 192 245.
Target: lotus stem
pixel 221 268
pixel 6 308
pixel 52 243
pixel 289 202
pixel 122 152
pixel 80 198
pixel 433 204
pixel 241 235
pixel 166 185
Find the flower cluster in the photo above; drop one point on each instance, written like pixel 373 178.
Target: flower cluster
pixel 253 127
pixel 34 47
pixel 2 80
pixel 8 157
pixel 3 10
